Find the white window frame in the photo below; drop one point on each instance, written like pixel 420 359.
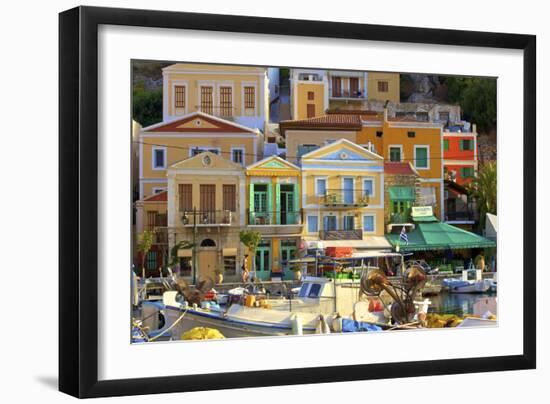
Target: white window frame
pixel 249 84
pixel 156 190
pixel 325 178
pixel 373 179
pixel 422 146
pixel 307 228
pixel 329 214
pixel 182 83
pixel 396 146
pixel 212 84
pixel 373 215
pixel 154 149
pixel 218 98
pixel 348 177
pixel 205 148
pixel 344 220
pixel 241 148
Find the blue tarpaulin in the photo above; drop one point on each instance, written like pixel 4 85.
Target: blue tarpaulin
pixel 355 326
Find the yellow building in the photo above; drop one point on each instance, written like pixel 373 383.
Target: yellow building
pixel 313 92
pixel 206 207
pixel 167 143
pixel 395 139
pixel 237 93
pixel 274 210
pixel 343 197
pixel 163 144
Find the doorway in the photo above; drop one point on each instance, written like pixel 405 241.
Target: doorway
pixel 287 208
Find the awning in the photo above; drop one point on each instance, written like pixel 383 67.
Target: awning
pixel 185 252
pixel 439 236
pixel 370 242
pixel 374 254
pixel 229 252
pixel 402 193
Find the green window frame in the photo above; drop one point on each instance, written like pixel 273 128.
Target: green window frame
pixel 466 144
pixel 421 157
pixel 467 172
pixel 395 154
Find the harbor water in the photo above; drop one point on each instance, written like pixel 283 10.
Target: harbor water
pixel 458 303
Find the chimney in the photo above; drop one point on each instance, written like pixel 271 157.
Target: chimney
pixel 386 111
pixel 474 128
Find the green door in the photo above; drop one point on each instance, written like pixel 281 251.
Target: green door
pixel 263 261
pixel 260 208
pixel 286 208
pixel 288 252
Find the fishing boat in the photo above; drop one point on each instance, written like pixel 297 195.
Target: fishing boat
pixel 320 302
pixel 321 305
pixel 466 286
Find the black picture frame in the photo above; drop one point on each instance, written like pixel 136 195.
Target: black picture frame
pixel 78 200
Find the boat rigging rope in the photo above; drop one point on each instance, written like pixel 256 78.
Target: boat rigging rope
pixel 163 331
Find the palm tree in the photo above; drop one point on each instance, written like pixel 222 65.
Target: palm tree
pixel 174 259
pixel 144 244
pixel 483 189
pixel 251 239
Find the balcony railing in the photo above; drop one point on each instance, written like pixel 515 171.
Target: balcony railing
pixel 398 218
pixel 207 218
pixel 354 234
pixel 347 94
pixel 275 218
pixel 345 197
pixel 460 216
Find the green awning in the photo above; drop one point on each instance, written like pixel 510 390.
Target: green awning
pixel 424 218
pixel 402 193
pixel 439 236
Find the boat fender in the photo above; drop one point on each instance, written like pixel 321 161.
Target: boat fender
pixel 322 326
pixel 337 323
pixel 297 326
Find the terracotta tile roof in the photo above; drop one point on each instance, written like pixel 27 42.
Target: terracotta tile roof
pixel 158 197
pixel 399 168
pixel 361 112
pixel 330 121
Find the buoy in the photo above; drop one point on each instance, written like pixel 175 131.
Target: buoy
pixel 297 326
pixel 202 333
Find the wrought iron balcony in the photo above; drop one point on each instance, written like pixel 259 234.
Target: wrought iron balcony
pixel 275 218
pixel 354 234
pixel 345 197
pixel 207 218
pixel 347 94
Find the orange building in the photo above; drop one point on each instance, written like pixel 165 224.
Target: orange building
pixel 460 156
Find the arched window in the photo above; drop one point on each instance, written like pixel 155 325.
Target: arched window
pixel 208 242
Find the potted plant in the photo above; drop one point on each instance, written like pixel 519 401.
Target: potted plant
pixel 219 276
pixel 297 269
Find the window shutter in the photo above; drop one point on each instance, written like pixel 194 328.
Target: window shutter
pixel 251 199
pixel 269 198
pixel 296 202
pixel 461 144
pixel 278 202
